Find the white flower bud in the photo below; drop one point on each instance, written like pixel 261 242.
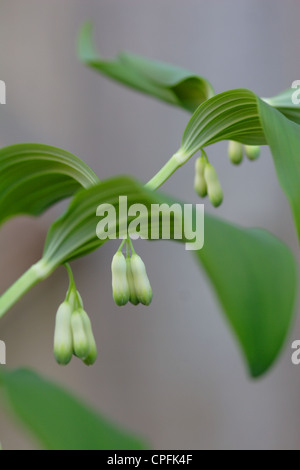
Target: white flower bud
pixel 252 151
pixel 133 297
pixel 80 338
pixel 235 152
pixel 200 183
pixel 63 340
pixel 93 353
pixel 214 189
pixel 141 282
pixel 120 286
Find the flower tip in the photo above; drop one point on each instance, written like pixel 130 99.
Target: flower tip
pixel 252 152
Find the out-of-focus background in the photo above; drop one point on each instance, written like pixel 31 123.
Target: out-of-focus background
pixel 172 372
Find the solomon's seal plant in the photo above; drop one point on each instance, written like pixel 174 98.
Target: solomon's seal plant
pixel 252 272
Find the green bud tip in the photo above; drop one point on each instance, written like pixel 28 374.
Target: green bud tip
pixel 141 281
pixel 80 338
pixel 235 152
pixel 120 287
pixel 93 353
pixel 133 297
pixel 63 339
pixel 214 189
pixel 252 151
pixel 200 183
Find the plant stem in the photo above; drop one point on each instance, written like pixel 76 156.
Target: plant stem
pixel 122 244
pixel 32 276
pixel 71 277
pixel 131 246
pixel 176 161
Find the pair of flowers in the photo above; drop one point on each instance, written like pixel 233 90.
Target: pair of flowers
pixel 206 178
pixel 207 181
pixel 130 282
pixel 73 329
pixel 73 332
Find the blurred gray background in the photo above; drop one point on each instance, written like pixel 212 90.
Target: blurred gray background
pixel 173 372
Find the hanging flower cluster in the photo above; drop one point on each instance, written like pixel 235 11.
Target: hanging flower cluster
pixel 73 330
pixel 206 178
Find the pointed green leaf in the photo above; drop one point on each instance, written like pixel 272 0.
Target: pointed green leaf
pixel 35 176
pixel 283 136
pixel 163 81
pixel 166 82
pixel 59 420
pixel 246 269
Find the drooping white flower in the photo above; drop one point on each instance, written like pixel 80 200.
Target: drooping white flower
pixel 214 189
pixel 63 339
pixel 200 185
pixel 120 287
pixel 141 282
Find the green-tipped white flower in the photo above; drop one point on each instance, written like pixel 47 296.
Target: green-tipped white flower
pixel 80 338
pixel 200 183
pixel 235 152
pixel 214 189
pixel 133 297
pixel 63 340
pixel 252 151
pixel 120 285
pixel 93 353
pixel 141 282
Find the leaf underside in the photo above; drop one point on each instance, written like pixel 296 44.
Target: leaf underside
pixel 34 176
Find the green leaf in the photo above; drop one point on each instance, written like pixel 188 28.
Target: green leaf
pixel 163 81
pixel 166 82
pixel 283 136
pixel 232 115
pixel 58 419
pixel 35 176
pixel 246 270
